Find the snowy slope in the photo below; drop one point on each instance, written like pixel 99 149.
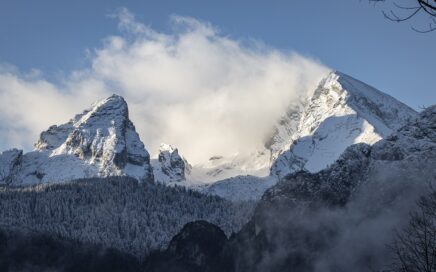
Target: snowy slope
pixel 219 168
pixel 342 111
pixel 284 131
pixel 240 188
pixel 101 141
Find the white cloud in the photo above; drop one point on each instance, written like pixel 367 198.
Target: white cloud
pixel 194 88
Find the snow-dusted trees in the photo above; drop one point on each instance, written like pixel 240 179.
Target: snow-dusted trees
pixel 115 212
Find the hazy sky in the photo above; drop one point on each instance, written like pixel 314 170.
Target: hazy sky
pixel 348 35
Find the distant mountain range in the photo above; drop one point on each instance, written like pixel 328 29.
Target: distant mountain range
pixel 311 135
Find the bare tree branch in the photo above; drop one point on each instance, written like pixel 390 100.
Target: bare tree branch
pixel 403 7
pixel 398 19
pixel 429 8
pixel 415 9
pixel 431 28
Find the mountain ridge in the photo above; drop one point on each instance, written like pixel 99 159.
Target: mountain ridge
pixel 102 141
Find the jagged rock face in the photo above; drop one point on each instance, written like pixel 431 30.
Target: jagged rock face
pixel 342 111
pixel 10 162
pixel 103 135
pixel 101 141
pixel 170 166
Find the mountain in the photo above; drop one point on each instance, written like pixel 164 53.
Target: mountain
pixel 99 142
pixel 170 167
pixel 341 111
pixel 310 135
pixel 342 218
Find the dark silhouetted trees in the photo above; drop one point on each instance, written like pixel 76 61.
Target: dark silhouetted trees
pixel 415 247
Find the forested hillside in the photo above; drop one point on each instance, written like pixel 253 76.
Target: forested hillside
pixel 115 212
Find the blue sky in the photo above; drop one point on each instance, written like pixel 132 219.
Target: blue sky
pixel 348 35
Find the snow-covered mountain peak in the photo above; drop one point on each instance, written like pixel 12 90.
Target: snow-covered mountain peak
pixel 340 94
pixel 170 166
pixel 342 111
pixel 313 133
pixel 101 141
pixel 104 134
pixel 102 114
pixel 110 110
pixel 363 98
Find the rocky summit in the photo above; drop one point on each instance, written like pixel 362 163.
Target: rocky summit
pixel 99 142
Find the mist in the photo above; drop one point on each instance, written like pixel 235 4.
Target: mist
pixel 355 237
pixel 194 87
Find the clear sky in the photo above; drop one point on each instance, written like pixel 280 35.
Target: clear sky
pixel 348 35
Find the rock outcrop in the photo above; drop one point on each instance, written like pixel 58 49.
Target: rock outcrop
pixel 99 142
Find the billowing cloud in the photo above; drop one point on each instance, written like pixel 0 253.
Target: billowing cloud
pixel 195 88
